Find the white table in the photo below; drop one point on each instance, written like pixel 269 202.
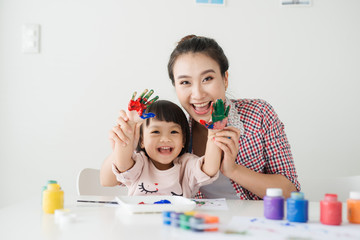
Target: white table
pixel 98 221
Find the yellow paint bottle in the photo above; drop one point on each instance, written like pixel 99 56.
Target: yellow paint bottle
pixel 53 198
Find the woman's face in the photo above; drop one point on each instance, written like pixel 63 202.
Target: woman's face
pixel 198 83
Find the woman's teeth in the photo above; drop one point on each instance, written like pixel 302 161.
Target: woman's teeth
pixel 199 105
pixel 201 108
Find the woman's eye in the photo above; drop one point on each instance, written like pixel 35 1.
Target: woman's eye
pixel 207 79
pixel 184 82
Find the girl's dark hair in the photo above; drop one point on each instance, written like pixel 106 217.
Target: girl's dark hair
pixel 169 112
pixel 196 44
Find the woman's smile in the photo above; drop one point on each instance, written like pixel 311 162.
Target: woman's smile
pixel 201 108
pixel 198 83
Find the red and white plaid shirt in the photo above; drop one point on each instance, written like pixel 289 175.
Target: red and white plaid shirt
pixel 264 147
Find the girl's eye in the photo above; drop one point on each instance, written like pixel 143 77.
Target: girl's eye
pixel 155 132
pixel 174 132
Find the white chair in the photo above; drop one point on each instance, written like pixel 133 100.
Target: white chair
pixel 315 188
pixel 88 183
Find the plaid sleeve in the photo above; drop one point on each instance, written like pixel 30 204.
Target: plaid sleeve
pixel 277 151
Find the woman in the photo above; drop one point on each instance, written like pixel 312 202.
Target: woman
pixel 198 69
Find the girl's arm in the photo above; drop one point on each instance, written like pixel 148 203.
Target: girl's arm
pixel 213 155
pixel 122 139
pixel 124 136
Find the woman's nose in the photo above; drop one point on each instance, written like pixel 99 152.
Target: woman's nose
pixel 197 91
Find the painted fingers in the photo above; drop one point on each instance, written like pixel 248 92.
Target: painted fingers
pixel 219 115
pixel 142 103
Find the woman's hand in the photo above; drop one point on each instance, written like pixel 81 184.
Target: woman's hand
pixel 219 115
pixel 228 141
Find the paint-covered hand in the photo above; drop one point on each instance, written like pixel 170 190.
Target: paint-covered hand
pixel 139 105
pixel 219 115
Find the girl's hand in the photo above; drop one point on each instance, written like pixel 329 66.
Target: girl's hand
pixel 141 103
pixel 228 141
pixel 123 132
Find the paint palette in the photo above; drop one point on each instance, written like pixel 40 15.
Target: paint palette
pixel 144 204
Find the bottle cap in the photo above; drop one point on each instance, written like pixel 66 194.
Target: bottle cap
pixel 274 192
pixel 64 216
pixel 53 187
pixel 331 197
pixel 211 219
pixel 355 195
pixel 297 195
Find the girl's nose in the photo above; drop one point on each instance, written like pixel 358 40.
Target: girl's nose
pixel 164 138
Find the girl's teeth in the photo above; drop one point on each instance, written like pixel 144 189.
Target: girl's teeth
pixel 165 149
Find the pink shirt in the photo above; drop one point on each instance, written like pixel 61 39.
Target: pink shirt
pixel 183 179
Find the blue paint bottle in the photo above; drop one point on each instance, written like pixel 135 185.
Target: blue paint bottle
pixel 274 204
pixel 167 217
pixel 297 208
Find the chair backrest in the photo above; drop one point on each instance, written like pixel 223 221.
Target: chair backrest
pixel 316 188
pixel 88 183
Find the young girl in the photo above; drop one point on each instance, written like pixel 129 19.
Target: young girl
pixel 160 165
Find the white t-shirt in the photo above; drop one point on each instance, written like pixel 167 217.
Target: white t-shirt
pixel 183 179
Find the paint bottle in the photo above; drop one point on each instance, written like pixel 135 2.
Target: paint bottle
pixel 297 208
pixel 212 223
pixel 45 187
pixel 53 198
pixel 167 217
pixel 197 224
pixel 274 204
pixel 330 210
pixel 175 219
pixel 353 207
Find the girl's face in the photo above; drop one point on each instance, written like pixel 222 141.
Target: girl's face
pixel 198 83
pixel 163 142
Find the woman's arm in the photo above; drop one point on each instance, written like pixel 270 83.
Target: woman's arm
pixel 256 183
pixel 107 177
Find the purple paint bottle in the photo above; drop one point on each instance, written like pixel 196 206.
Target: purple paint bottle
pixel 274 204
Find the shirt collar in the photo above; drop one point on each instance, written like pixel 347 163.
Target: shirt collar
pixel 234 117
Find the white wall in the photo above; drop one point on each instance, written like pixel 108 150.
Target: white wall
pixel 57 106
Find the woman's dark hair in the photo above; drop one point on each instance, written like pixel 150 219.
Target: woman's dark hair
pixel 169 112
pixel 196 44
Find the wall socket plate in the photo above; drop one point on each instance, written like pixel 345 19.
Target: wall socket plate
pixel 31 38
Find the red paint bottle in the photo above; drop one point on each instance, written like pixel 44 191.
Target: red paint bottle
pixel 330 210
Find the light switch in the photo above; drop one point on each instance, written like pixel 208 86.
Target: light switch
pixel 31 38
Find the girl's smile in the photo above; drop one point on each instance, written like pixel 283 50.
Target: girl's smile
pixel 165 150
pixel 163 141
